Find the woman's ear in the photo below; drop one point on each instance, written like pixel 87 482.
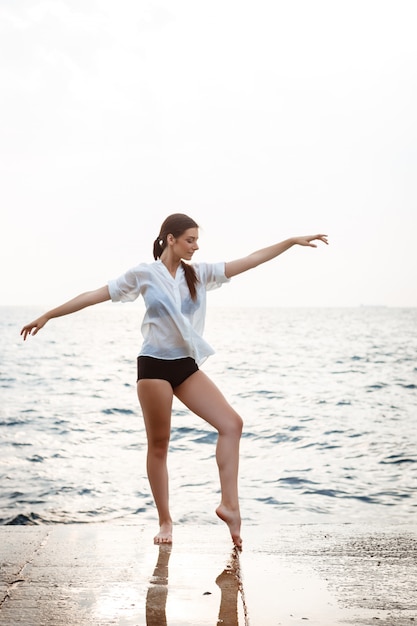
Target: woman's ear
pixel 170 238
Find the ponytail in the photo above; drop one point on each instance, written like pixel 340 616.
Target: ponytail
pixel 191 278
pixel 158 248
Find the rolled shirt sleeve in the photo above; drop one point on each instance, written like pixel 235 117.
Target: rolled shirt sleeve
pixel 212 275
pixel 125 288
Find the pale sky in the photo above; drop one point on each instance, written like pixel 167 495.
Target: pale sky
pixel 261 120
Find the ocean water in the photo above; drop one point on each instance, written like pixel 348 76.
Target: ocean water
pixel 328 398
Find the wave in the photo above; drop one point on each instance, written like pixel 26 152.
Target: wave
pixel 22 519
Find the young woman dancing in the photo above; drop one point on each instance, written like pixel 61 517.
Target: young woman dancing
pixel 174 292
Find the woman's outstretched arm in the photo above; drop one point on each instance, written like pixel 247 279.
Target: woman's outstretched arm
pixel 232 268
pixel 76 304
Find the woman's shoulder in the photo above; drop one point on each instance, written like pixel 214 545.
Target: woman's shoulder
pixel 145 267
pixel 202 266
pixel 210 272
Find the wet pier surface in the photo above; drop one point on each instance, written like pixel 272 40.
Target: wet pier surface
pixel 102 574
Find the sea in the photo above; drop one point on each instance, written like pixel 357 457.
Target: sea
pixel 328 397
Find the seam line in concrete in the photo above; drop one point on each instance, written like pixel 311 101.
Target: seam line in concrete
pixel 20 574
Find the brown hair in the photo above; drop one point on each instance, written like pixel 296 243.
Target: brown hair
pixel 176 225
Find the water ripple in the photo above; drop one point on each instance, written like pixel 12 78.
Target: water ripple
pixel 327 396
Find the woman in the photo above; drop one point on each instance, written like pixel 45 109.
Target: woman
pixel 174 292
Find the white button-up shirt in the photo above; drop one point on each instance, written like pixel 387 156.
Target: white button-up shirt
pixel 173 323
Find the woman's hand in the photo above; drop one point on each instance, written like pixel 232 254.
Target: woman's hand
pixel 34 327
pixel 306 241
pixel 232 268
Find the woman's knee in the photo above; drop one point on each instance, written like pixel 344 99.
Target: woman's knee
pixel 239 424
pixel 233 425
pixel 158 447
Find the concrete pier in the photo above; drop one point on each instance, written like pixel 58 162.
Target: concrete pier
pixel 310 575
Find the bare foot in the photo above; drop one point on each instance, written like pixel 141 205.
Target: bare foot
pixel 164 535
pixel 232 519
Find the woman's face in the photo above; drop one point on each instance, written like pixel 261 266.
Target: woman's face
pixel 186 244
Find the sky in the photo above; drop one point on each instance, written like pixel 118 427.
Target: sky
pixel 261 120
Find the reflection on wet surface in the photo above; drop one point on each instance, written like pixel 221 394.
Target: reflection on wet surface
pixel 156 597
pixel 229 581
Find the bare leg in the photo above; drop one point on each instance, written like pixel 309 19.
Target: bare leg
pixel 202 397
pixel 155 397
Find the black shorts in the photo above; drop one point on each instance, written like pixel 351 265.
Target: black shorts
pixel 175 371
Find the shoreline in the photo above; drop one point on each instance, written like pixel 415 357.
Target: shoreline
pixel 316 574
